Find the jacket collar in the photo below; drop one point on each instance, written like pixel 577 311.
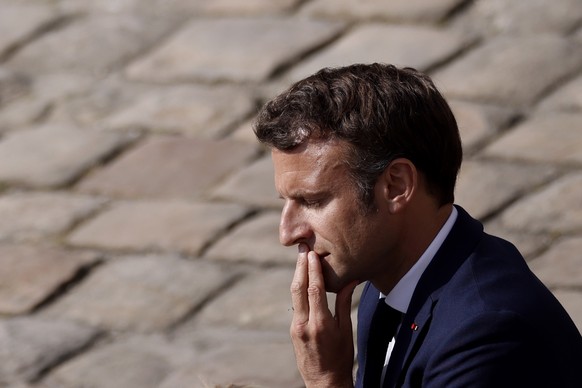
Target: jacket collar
pixel 461 241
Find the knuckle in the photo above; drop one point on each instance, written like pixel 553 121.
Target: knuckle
pixel 314 291
pixel 299 331
pixel 295 288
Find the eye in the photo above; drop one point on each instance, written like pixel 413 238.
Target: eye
pixel 311 204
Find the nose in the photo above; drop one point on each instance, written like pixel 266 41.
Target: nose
pixel 293 229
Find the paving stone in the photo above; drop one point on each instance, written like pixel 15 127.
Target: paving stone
pixel 376 42
pixel 497 72
pixel 236 49
pixel 29 274
pixel 254 185
pixel 255 241
pixel 244 133
pixel 187 110
pixel 32 215
pixel 268 361
pixel 476 179
pixel 160 8
pixel 169 167
pixel 529 244
pixel 138 362
pixel 395 10
pixel 46 92
pixel 478 123
pixel 12 86
pixel 249 7
pixel 554 138
pixel 561 265
pixel 141 293
pixel 54 155
pixel 264 306
pixel 90 45
pixel 568 97
pixel 171 225
pixel 179 8
pixel 557 208
pixel 572 302
pixel 104 97
pixel 20 20
pixel 522 17
pixel 29 346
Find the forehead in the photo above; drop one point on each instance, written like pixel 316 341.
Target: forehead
pixel 314 165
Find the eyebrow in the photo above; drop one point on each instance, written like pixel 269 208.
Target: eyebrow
pixel 306 194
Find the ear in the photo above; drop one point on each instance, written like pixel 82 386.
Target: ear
pixel 399 183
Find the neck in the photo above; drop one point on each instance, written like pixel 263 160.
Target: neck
pixel 418 230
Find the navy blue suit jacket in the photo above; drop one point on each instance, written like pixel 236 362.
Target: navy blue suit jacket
pixel 478 318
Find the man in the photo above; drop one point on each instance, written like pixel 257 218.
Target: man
pixel 366 158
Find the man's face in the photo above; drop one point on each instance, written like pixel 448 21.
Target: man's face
pixel 323 210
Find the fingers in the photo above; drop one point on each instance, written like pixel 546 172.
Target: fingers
pixel 299 287
pixel 316 290
pixel 343 306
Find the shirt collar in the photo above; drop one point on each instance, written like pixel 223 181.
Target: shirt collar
pixel 400 296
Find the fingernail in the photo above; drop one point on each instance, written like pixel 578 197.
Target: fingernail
pixel 312 256
pixel 302 248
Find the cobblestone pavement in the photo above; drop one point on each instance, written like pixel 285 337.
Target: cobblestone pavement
pixel 138 218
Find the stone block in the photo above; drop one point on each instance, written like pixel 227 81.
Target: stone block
pixel 529 244
pixel 255 241
pixel 165 167
pixel 141 293
pixel 253 185
pixel 395 10
pixel 572 302
pixel 254 359
pixel 552 137
pixel 557 208
pixel 95 44
pixel 478 123
pixel 567 98
pixel 34 215
pixel 265 305
pixel 244 133
pixel 137 362
pixel 43 99
pixel 29 346
pixel 234 49
pixel 12 86
pixel 173 225
pixel 477 178
pixel 20 20
pixel 561 265
pixel 31 274
pixel 521 17
pixel 54 155
pixel 249 7
pixel 101 98
pixel 187 110
pixel 497 72
pixel 376 42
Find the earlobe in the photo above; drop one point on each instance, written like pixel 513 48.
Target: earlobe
pixel 400 180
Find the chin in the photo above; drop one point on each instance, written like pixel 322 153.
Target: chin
pixel 333 282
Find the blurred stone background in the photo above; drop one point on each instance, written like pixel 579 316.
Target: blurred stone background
pixel 138 218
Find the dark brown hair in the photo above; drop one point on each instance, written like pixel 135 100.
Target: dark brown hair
pixel 382 112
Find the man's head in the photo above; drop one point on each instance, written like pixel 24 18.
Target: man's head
pixel 381 112
pixel 365 158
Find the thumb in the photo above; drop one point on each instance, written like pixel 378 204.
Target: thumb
pixel 343 307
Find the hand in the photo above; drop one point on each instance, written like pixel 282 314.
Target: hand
pixel 323 342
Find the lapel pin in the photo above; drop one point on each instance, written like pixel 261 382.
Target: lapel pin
pixel 414 327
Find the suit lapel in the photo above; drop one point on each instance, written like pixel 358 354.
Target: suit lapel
pixel 457 247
